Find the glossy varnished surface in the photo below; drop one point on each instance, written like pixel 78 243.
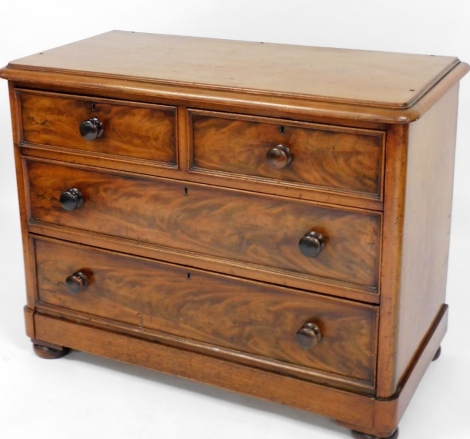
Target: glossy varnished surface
pixel 47 353
pixel 376 78
pixel 218 310
pixel 238 226
pixel 332 158
pixel 130 130
pixel 208 369
pixel 180 254
pixel 423 233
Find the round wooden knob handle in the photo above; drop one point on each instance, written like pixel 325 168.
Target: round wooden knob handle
pixel 71 199
pixel 279 156
pixel 76 282
pixel 91 129
pixel 308 336
pixel 312 244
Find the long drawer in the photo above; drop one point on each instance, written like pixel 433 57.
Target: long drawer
pixel 284 236
pixel 218 310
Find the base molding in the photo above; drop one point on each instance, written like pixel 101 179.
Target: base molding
pixel 360 413
pixel 387 412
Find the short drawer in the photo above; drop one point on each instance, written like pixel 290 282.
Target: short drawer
pixel 217 310
pixel 285 152
pixel 261 232
pixel 130 130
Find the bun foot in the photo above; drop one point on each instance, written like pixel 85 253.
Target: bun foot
pixel 437 354
pixel 359 435
pixel 48 353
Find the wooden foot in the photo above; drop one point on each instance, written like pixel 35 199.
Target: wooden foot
pixel 49 353
pixel 437 354
pixel 359 435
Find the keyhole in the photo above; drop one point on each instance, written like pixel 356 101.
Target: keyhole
pixel 93 107
pixel 185 191
pixel 188 276
pixel 281 129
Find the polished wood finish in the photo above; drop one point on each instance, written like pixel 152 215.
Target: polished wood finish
pixel 218 310
pixel 29 321
pixel 353 410
pixel 334 158
pixel 388 411
pixel 431 77
pixel 144 249
pixel 208 369
pixel 258 232
pixel 48 353
pixel 250 229
pixel 422 176
pixel 130 130
pixel 315 73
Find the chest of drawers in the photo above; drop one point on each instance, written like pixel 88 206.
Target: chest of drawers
pixel 269 219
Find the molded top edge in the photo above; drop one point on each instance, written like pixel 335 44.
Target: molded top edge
pixel 381 80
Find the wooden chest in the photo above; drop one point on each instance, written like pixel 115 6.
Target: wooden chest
pixel 269 219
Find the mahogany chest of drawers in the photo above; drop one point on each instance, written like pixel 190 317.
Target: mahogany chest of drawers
pixel 269 219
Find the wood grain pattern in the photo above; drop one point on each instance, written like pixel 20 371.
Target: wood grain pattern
pixel 355 411
pixel 295 191
pixel 376 78
pixel 389 411
pixel 218 310
pixel 327 157
pixel 426 216
pixel 392 242
pixel 300 81
pixel 427 224
pixel 187 240
pixel 233 225
pixel 225 374
pixel 227 266
pixel 130 130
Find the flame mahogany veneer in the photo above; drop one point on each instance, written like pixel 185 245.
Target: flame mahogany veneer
pixel 270 219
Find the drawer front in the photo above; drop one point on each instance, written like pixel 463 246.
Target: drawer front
pixel 263 232
pixel 322 157
pixel 129 129
pixel 218 310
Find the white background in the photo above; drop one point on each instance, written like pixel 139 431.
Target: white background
pixel 81 396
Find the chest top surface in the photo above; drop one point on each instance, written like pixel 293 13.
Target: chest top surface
pixel 379 80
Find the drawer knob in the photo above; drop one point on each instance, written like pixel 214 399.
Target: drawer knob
pixel 91 129
pixel 312 244
pixel 279 156
pixel 308 336
pixel 71 199
pixel 76 282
